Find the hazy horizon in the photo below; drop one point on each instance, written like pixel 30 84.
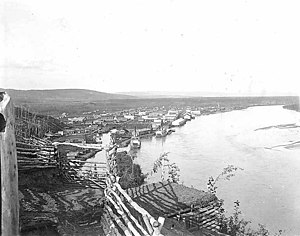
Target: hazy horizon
pixel 161 92
pixel 170 93
pixel 227 47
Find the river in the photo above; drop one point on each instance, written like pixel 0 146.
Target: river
pixel 261 140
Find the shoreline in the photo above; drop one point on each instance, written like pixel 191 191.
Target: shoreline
pixel 293 107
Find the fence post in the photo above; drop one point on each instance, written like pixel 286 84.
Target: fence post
pixel 9 169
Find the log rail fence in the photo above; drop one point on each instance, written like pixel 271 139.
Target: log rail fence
pixel 122 215
pixel 125 216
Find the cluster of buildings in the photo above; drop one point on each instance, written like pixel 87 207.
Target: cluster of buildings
pixel 87 128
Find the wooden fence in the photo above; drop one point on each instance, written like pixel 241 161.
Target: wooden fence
pixel 35 153
pixel 122 214
pixel 94 172
pixel 196 218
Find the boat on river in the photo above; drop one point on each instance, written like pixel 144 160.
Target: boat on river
pixel 187 117
pixel 135 141
pixel 170 131
pixel 161 133
pixel 179 122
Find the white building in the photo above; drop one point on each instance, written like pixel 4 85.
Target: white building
pixel 196 112
pixel 129 117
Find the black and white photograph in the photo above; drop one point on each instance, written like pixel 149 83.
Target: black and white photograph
pixel 150 118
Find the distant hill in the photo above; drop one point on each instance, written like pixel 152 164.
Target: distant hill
pixel 57 101
pixel 156 94
pixel 183 94
pixel 61 95
pixel 178 94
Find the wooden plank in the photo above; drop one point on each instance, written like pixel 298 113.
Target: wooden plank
pixel 9 169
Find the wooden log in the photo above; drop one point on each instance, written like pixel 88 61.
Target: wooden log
pixel 26 154
pixel 36 140
pixel 105 225
pixel 120 202
pixel 132 203
pixel 207 211
pixel 122 214
pixel 97 184
pixel 34 146
pixel 34 154
pixel 153 226
pixel 118 221
pixel 48 149
pixel 37 167
pixel 46 153
pixel 148 219
pixel 22 144
pixel 90 166
pixel 112 226
pixel 205 223
pixel 42 156
pixel 199 210
pixel 98 175
pixel 33 159
pixel 34 150
pixel 9 169
pixel 91 162
pixel 41 140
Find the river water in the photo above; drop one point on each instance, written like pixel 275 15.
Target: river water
pixel 258 139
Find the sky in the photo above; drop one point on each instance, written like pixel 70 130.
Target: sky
pixel 234 46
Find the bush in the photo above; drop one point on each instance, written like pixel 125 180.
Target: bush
pixel 130 173
pixel 234 225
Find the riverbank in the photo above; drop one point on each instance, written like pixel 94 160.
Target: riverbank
pixel 294 107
